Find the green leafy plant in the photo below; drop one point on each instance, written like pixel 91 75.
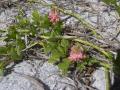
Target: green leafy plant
pixel 21 36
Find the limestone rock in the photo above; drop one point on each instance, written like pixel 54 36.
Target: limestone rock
pixel 45 72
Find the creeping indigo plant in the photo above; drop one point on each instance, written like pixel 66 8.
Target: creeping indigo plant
pixel 40 26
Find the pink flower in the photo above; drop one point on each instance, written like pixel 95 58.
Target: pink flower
pixel 53 16
pixel 76 54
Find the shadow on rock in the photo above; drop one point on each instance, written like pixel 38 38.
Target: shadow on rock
pixel 116 69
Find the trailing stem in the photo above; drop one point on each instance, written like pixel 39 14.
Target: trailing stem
pixel 107 79
pixel 73 14
pixel 83 42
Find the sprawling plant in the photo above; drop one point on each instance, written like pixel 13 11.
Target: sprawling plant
pixel 46 31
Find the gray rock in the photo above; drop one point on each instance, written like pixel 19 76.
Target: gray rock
pixel 7 16
pixel 17 82
pixel 45 72
pixel 99 79
pixel 50 76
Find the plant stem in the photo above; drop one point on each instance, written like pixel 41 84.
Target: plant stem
pixel 74 39
pixel 73 14
pixel 78 17
pixel 94 46
pixel 35 43
pixel 81 41
pixel 107 79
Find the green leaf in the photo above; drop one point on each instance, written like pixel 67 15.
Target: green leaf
pixel 20 45
pixel 36 17
pixel 55 56
pixel 65 45
pixel 46 22
pixel 12 31
pixel 3 50
pixel 81 66
pixel 52 59
pixel 118 9
pixel 1 68
pixel 46 49
pixel 64 65
pixel 13 54
pixel 58 28
pixel 32 30
pixel 61 50
pixel 24 31
pixel 91 61
pixel 1 72
pixel 49 46
pixel 110 2
pixel 24 22
pixel 31 1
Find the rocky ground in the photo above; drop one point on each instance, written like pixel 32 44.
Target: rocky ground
pixel 37 73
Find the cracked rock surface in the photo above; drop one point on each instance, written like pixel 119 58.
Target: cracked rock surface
pixel 99 79
pixel 36 75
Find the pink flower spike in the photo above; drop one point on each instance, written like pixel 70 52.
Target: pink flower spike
pixel 53 16
pixel 76 54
